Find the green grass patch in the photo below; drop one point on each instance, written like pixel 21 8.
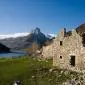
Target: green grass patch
pixel 31 71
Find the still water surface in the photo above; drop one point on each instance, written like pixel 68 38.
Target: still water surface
pixel 16 53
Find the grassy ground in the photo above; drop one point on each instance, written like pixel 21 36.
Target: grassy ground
pixel 31 71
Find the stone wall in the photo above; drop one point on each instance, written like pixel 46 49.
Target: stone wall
pixel 47 52
pixel 70 46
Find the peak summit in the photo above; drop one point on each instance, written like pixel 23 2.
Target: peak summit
pixel 36 30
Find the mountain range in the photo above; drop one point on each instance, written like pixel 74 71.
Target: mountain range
pixel 24 40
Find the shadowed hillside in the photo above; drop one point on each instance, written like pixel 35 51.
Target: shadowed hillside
pixel 3 48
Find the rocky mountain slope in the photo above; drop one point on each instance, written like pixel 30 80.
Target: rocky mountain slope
pixel 24 42
pixel 81 29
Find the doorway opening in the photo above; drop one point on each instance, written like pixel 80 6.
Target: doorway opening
pixel 61 43
pixel 72 60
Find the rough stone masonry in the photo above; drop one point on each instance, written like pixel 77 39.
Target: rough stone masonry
pixel 68 49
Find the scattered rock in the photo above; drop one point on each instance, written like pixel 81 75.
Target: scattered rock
pixel 33 76
pixel 80 80
pixel 50 70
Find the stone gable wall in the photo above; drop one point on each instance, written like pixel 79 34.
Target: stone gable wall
pixel 71 46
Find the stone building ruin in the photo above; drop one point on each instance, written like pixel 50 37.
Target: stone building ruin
pixel 68 49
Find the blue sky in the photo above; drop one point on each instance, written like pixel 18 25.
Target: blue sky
pixel 49 15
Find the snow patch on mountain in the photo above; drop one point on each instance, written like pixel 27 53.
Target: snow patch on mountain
pixel 15 35
pixel 51 36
